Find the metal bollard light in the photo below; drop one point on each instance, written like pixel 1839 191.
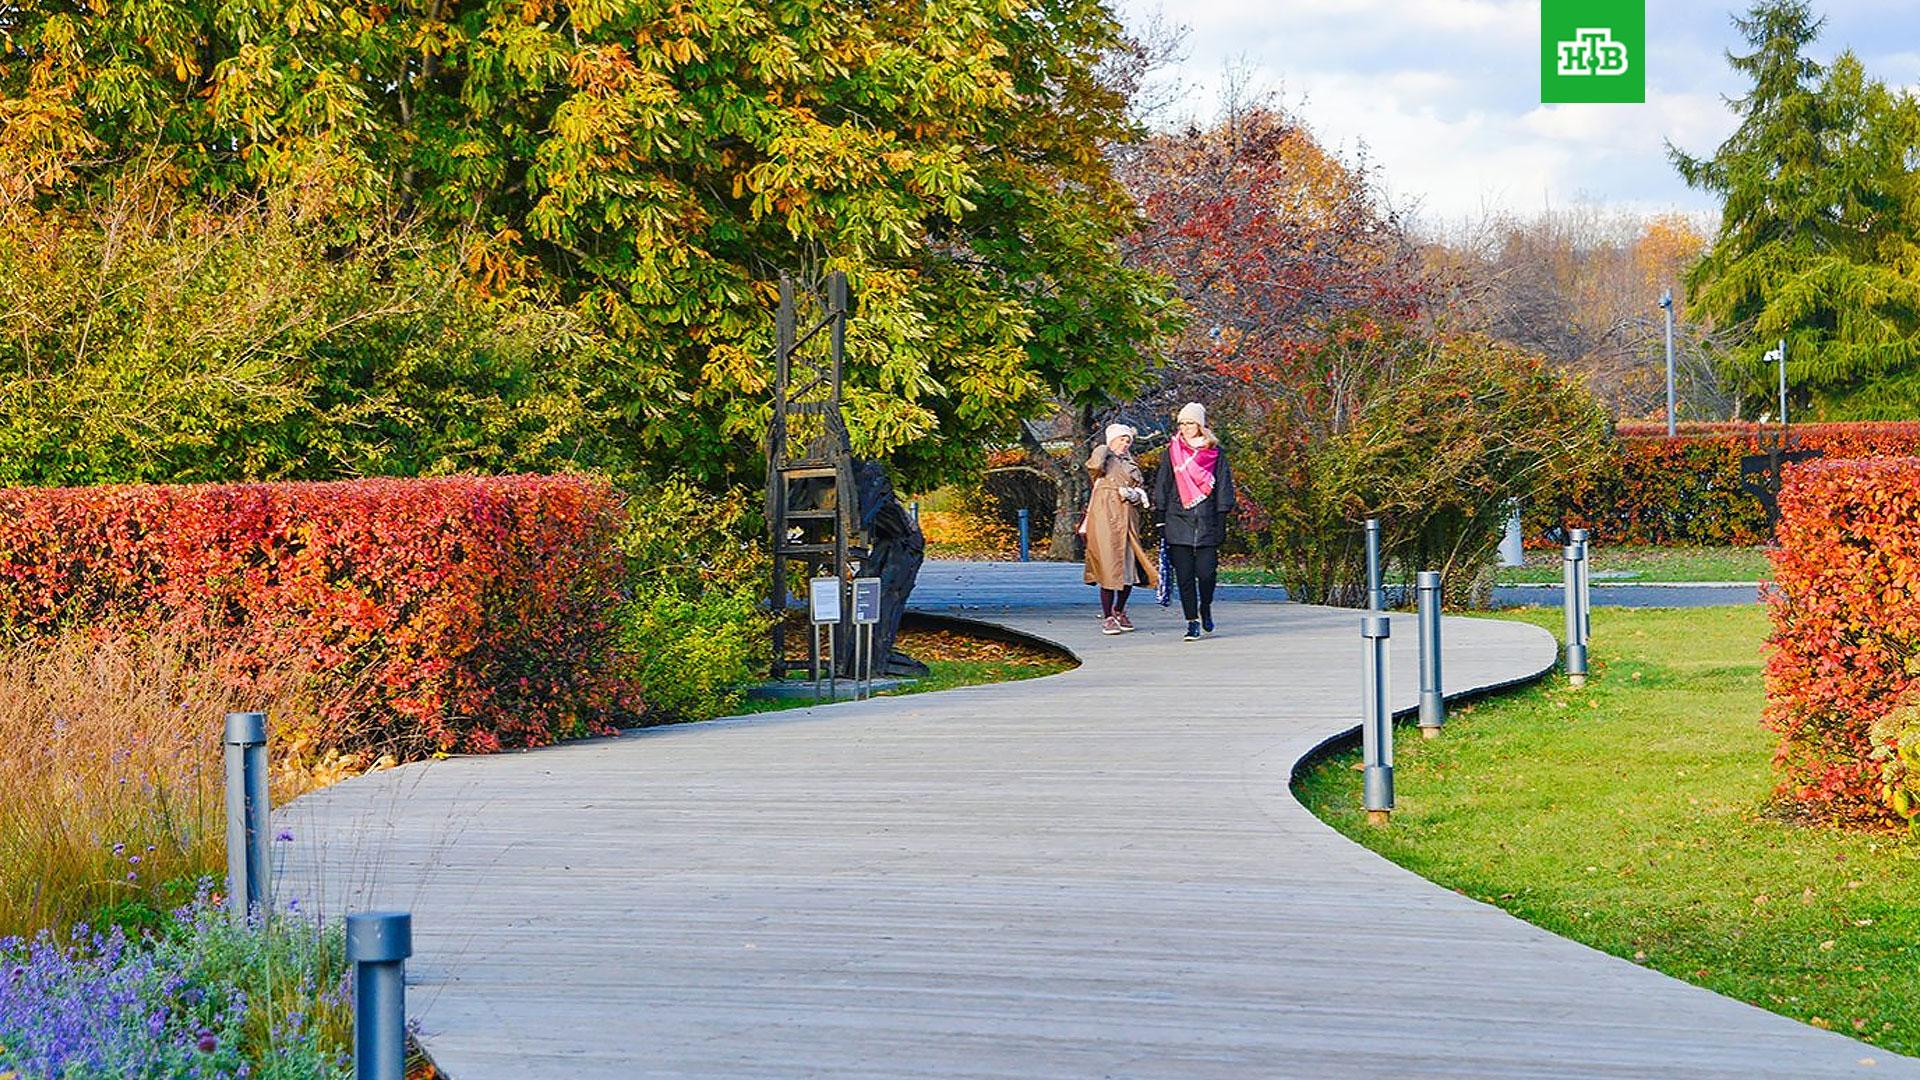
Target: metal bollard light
pixel 1376 593
pixel 1576 655
pixel 1585 540
pixel 913 511
pixel 1025 550
pixel 249 857
pixel 378 944
pixel 1433 703
pixel 1376 731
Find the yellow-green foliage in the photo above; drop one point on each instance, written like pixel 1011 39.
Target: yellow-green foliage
pixel 694 628
pixel 650 168
pixel 1896 746
pixel 695 654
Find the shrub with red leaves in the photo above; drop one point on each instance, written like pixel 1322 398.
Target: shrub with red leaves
pixel 1846 643
pixel 461 613
pixel 1686 490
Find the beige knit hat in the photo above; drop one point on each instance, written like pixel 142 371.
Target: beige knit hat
pixel 1193 413
pixel 1114 431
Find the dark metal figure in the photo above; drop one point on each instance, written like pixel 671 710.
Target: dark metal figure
pixel 830 513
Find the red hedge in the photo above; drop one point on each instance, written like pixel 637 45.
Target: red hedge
pixel 1686 490
pixel 1846 612
pixel 458 613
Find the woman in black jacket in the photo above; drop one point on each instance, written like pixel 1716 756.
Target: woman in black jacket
pixel 1194 490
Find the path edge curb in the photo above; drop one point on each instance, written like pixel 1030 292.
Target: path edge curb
pixel 1346 737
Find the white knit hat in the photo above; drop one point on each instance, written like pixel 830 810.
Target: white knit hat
pixel 1193 413
pixel 1114 431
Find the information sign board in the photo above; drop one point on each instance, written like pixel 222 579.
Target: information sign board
pixel 866 600
pixel 823 600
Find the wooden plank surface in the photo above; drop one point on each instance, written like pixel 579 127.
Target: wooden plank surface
pixel 1097 874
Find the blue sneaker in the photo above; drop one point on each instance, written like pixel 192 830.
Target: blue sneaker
pixel 1206 621
pixel 1193 632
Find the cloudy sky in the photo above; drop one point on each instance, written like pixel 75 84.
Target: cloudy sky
pixel 1444 95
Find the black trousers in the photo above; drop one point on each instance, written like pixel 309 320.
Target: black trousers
pixel 1195 569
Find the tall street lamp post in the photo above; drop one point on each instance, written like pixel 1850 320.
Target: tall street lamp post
pixel 1778 355
pixel 1666 301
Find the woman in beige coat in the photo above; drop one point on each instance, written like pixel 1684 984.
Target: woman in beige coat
pixel 1116 560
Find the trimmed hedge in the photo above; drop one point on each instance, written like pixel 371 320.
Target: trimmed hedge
pixel 1846 644
pixel 444 614
pixel 1686 490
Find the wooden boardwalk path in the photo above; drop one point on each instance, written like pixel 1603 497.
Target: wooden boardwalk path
pixel 1098 874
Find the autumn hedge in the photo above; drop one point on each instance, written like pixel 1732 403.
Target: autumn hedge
pixel 445 614
pixel 1686 490
pixel 1845 604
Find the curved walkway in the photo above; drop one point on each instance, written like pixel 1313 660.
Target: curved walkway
pixel 1097 874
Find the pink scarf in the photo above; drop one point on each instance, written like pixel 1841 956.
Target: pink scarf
pixel 1192 471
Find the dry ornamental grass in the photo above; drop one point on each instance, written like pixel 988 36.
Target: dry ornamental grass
pixel 110 771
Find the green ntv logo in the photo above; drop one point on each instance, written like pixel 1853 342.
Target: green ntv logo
pixel 1593 50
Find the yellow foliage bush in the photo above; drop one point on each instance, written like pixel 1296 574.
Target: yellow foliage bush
pixel 963 533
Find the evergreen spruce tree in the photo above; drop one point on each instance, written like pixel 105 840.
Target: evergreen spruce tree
pixel 1818 225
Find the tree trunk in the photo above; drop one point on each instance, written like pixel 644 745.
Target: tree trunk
pixel 1071 489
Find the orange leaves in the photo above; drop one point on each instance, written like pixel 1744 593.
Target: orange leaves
pixel 1655 490
pixel 495 263
pixel 682 50
pixel 1846 629
pixel 450 614
pixel 602 70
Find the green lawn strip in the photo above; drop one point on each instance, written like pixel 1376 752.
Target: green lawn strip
pixel 1637 565
pixel 1239 573
pixel 1632 816
pixel 947 674
pixel 1647 564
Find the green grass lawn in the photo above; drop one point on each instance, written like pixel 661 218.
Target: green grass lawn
pixel 1640 564
pixel 1632 816
pixel 1241 572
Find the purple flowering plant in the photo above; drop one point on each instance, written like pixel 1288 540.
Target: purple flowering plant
pixel 201 997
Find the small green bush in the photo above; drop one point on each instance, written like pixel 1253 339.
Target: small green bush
pixel 1431 434
pixel 694 655
pixel 693 627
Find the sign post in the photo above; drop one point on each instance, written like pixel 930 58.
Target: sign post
pixel 823 609
pixel 866 615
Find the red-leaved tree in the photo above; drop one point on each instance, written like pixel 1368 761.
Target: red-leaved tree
pixel 1269 240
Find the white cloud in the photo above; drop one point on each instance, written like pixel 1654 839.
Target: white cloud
pixel 1697 122
pixel 1444 94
